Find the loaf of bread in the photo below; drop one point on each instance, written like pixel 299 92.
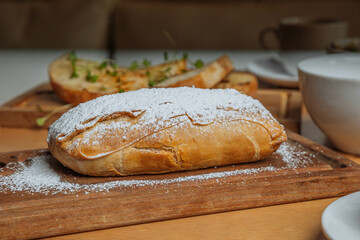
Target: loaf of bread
pixel 163 130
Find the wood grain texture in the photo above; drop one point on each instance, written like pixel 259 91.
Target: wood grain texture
pixel 295 221
pixel 24 215
pixel 23 110
pixel 19 139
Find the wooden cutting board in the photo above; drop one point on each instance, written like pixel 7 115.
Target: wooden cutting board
pixel 315 172
pixel 40 101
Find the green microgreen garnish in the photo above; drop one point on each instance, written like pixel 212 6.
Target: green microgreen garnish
pixel 151 83
pixel 39 108
pixel 134 65
pixel 108 62
pixel 41 121
pixel 114 73
pixel 113 65
pixel 146 62
pixel 103 65
pixel 199 63
pixel 167 70
pixel 147 73
pixel 73 58
pixel 185 56
pixel 163 78
pixel 91 78
pixel 121 90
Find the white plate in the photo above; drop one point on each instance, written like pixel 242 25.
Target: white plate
pixel 341 219
pixel 281 67
pixel 269 70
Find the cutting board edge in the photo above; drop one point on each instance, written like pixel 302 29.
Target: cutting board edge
pixel 179 213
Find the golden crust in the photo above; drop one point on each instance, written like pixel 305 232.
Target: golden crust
pixel 241 81
pixel 164 130
pixel 207 77
pixel 180 148
pixel 71 95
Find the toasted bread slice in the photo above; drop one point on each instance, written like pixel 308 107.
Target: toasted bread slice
pixel 161 72
pixel 241 81
pixel 93 81
pixel 206 77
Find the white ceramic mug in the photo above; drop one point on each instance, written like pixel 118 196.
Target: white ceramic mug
pixel 330 87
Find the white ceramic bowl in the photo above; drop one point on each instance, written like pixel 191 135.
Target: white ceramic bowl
pixel 340 220
pixel 330 87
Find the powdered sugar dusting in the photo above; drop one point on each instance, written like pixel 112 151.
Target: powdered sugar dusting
pixel 39 177
pixel 157 109
pixel 293 157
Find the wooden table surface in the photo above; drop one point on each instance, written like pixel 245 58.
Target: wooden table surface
pixel 288 221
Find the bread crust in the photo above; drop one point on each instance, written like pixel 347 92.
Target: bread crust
pixel 206 77
pixel 71 95
pixel 241 81
pixel 178 149
pixel 111 147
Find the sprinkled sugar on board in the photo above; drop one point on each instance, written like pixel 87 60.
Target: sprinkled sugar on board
pixel 34 192
pixel 39 177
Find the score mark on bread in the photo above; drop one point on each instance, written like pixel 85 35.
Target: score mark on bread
pixel 164 130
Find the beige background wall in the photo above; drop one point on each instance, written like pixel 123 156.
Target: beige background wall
pixel 217 24
pixel 140 24
pixel 54 23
